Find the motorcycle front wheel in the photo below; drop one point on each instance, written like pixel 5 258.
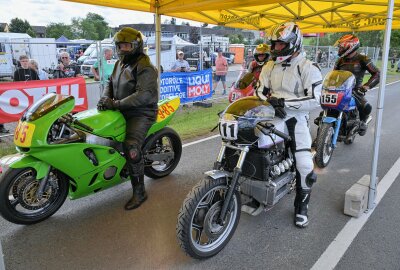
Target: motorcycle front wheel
pixel 162 153
pixel 18 196
pixel 198 231
pixel 324 147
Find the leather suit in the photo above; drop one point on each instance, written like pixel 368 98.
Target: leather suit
pixel 358 65
pixel 134 84
pixel 255 68
pixel 298 81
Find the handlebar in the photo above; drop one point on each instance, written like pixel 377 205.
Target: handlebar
pixel 269 128
pixel 68 119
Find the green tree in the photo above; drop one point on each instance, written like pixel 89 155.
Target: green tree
pixel 173 21
pixel 20 26
pixel 237 39
pixel 99 23
pixel 92 27
pixel 258 41
pixel 56 30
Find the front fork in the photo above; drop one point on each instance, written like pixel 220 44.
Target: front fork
pixel 337 122
pixel 43 184
pixel 235 177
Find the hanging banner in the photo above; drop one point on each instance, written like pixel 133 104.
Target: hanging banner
pixel 189 86
pixel 16 97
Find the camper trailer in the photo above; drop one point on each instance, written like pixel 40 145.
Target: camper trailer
pixel 7 67
pixel 13 45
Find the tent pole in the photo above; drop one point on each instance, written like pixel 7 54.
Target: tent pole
pixel 379 110
pixel 158 42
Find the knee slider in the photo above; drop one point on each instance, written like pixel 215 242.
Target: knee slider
pixel 311 178
pixel 133 152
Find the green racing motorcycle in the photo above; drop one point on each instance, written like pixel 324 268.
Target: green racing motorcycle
pixel 61 154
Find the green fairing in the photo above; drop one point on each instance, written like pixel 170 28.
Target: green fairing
pixel 69 158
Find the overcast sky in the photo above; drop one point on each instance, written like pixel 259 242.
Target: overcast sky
pixel 43 12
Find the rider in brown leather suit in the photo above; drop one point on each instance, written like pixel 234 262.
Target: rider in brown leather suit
pixel 133 91
pixel 358 64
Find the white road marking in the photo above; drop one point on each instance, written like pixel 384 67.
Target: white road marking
pixel 335 251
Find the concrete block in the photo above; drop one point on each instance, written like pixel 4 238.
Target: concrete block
pixel 356 200
pixel 364 181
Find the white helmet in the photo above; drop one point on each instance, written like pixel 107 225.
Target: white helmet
pixel 290 34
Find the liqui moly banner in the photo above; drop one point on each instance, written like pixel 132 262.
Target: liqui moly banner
pixel 16 97
pixel 189 86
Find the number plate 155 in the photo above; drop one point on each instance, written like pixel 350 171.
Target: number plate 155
pixel 329 99
pixel 23 134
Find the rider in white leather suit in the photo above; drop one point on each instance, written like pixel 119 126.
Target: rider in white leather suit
pixel 293 85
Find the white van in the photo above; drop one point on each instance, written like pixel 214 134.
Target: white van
pixel 168 51
pixel 7 67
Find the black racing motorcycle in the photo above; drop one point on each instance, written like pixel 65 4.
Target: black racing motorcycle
pixel 254 170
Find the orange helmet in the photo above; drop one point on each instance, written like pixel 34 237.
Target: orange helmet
pixel 347 44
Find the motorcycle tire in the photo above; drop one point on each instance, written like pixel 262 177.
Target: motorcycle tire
pixel 162 142
pixel 18 201
pixel 324 148
pixel 198 233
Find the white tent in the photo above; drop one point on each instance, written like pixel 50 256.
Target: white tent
pixel 179 42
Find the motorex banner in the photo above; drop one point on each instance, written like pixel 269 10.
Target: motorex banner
pixel 189 86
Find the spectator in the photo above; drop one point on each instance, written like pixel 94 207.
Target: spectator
pixel 319 56
pixel 180 65
pixel 25 73
pixel 67 68
pixel 108 65
pixel 41 73
pixel 249 58
pixel 221 68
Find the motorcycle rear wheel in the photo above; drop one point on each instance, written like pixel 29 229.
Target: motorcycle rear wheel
pixel 199 234
pixel 324 147
pixel 18 201
pixel 164 142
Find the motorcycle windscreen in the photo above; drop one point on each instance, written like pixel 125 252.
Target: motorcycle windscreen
pixel 243 105
pixel 337 89
pixel 45 105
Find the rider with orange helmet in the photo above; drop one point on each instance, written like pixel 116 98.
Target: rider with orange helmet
pixel 358 64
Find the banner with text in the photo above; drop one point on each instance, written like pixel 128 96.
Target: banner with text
pixel 189 86
pixel 16 97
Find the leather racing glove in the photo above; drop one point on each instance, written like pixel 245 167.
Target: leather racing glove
pixel 106 103
pixel 279 106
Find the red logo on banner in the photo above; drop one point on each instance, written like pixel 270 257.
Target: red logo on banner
pixel 16 97
pixel 198 90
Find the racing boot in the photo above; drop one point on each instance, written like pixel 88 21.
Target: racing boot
pixel 301 208
pixel 363 128
pixel 139 193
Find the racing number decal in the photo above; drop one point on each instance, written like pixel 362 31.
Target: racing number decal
pixel 228 129
pixel 329 99
pixel 23 134
pixel 165 110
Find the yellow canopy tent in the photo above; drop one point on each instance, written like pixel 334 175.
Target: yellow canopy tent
pixel 311 16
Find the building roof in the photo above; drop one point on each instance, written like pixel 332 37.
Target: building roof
pixel 39 29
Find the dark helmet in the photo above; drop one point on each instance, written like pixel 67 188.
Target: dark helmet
pixel 129 35
pixel 347 44
pixel 290 34
pixel 259 50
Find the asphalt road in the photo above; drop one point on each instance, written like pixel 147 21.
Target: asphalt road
pixel 96 233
